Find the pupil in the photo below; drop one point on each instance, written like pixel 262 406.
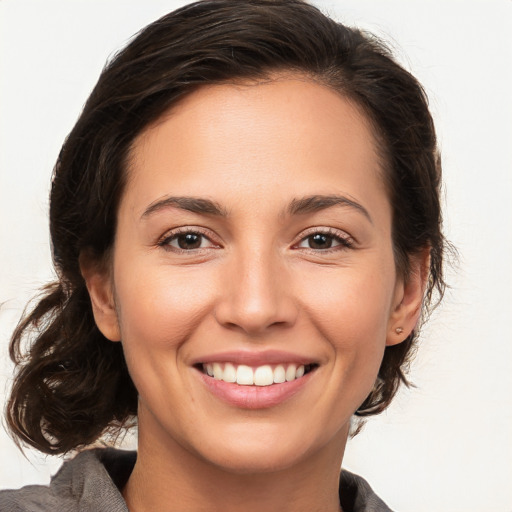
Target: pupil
pixel 189 241
pixel 320 241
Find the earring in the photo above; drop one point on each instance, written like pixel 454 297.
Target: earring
pixel 399 330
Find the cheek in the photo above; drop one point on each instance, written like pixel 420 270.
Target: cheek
pixel 158 314
pixel 351 310
pixel 351 307
pixel 159 309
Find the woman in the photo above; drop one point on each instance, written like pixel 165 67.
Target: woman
pixel 246 227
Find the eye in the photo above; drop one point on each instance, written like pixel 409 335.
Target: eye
pixel 186 241
pixel 325 240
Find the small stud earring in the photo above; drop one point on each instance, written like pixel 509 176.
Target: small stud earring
pixel 399 330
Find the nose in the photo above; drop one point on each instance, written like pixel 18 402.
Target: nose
pixel 257 294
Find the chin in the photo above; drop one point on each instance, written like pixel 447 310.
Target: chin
pixel 263 451
pixel 249 461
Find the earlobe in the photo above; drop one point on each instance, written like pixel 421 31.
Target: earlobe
pixel 101 293
pixel 408 299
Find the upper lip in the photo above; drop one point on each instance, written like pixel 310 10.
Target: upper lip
pixel 253 358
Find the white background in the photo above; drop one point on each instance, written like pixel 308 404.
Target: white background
pixel 446 445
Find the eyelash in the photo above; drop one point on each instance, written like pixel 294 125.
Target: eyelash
pixel 344 241
pixel 165 241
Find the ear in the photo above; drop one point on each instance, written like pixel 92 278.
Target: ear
pixel 99 285
pixel 408 299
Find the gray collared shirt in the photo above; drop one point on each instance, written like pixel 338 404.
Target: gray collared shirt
pixel 91 482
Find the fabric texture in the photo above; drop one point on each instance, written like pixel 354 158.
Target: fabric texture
pixel 91 482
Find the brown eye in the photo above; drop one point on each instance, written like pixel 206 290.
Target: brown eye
pixel 323 241
pixel 320 241
pixel 187 241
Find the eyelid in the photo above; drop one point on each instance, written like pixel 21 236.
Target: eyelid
pixel 164 240
pixel 346 241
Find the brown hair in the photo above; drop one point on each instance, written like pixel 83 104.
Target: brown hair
pixel 72 384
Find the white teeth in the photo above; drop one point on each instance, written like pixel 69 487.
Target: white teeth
pixel 290 372
pixel 261 376
pixel 217 371
pixel 244 375
pixel 229 373
pixel 279 374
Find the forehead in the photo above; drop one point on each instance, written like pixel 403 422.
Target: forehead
pixel 286 133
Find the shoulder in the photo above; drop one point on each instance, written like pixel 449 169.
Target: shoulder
pixel 89 482
pixel 356 495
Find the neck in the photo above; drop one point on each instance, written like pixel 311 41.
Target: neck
pixel 167 477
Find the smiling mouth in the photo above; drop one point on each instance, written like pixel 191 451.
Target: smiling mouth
pixel 265 375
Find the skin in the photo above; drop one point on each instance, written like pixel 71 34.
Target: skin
pixel 255 283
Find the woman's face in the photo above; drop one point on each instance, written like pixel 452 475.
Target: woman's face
pixel 254 242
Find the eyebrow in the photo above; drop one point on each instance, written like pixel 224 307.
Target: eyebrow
pixel 191 204
pixel 298 206
pixel 315 203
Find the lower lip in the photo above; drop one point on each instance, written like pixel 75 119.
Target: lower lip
pixel 254 397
